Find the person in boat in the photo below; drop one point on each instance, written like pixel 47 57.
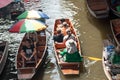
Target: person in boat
pixel 62 20
pixel 59 36
pixel 33 37
pixel 115 57
pixel 113 63
pixel 28 51
pixel 64 26
pixel 69 35
pixel 70 53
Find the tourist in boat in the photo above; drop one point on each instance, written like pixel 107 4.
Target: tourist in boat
pixel 28 51
pixel 113 61
pixel 70 53
pixel 62 20
pixel 33 37
pixel 115 57
pixel 69 35
pixel 59 36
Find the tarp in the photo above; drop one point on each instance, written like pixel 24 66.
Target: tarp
pixel 4 3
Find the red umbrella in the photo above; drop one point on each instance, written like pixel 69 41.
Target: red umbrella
pixel 4 3
pixel 27 25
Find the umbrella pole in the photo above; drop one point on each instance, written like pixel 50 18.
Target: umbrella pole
pixel 48 31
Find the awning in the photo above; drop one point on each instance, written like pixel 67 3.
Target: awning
pixel 4 3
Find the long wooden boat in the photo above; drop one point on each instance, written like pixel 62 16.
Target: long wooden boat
pixel 67 68
pixel 115 7
pixel 3 54
pixel 98 8
pixel 28 71
pixel 108 71
pixel 115 28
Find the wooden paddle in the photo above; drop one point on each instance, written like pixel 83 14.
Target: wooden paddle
pixel 92 58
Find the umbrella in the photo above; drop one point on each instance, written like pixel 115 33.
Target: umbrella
pixel 32 14
pixel 26 25
pixel 4 3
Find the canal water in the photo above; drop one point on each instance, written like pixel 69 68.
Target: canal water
pixel 91 33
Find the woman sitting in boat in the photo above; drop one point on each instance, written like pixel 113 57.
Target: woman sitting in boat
pixel 69 36
pixel 28 51
pixel 70 53
pixel 33 37
pixel 59 36
pixel 63 27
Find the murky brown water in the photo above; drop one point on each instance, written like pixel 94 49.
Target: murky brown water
pixel 92 33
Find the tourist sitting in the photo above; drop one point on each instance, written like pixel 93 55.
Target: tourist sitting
pixel 70 53
pixel 69 36
pixel 33 37
pixel 61 21
pixel 113 59
pixel 58 37
pixel 63 27
pixel 28 51
pixel 115 56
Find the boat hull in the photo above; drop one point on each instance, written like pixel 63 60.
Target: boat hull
pixel 4 56
pixel 31 69
pixel 67 68
pixel 100 14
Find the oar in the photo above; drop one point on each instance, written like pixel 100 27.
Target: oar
pixel 93 58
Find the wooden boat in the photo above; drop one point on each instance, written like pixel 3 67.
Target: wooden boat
pixel 115 28
pixel 108 71
pixel 115 7
pixel 98 8
pixel 67 68
pixel 28 71
pixel 3 54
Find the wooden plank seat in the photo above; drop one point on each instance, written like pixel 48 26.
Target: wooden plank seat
pixel 70 71
pixel 25 73
pixel 68 65
pixel 70 68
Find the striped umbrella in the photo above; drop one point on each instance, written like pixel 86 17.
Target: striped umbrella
pixel 32 14
pixel 26 25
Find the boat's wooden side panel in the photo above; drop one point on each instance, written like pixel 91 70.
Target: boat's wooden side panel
pixel 26 73
pixel 4 55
